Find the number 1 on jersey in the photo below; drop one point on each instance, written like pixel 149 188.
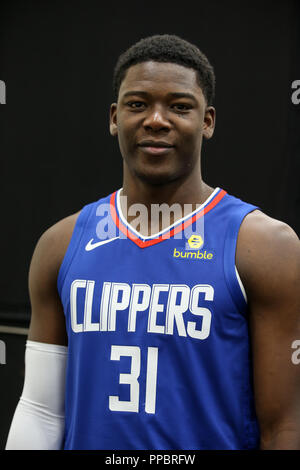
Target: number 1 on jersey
pixel 131 379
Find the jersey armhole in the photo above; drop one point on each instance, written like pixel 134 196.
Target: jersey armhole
pixel 78 231
pixel 241 284
pixel 233 280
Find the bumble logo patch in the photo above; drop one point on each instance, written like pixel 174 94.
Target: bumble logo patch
pixel 193 250
pixel 195 241
pixel 193 254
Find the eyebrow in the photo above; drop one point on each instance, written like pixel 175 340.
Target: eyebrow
pixel 171 95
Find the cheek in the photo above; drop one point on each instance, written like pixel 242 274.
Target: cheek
pixel 190 139
pixel 126 132
pixel 189 129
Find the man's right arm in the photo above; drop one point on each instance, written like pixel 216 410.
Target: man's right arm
pixel 38 422
pixel 47 316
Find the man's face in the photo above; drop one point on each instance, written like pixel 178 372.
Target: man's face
pixel 161 102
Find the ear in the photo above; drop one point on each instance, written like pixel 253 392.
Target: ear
pixel 209 122
pixel 113 128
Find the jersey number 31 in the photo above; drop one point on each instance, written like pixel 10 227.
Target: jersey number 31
pixel 131 379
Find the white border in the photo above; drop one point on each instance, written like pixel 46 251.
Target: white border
pixel 241 284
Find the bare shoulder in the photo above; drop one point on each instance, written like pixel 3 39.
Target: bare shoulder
pixel 268 251
pixel 259 225
pixel 50 250
pixel 53 243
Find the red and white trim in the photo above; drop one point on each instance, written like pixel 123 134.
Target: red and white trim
pixel 178 226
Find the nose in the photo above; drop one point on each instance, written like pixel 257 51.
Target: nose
pixel 156 120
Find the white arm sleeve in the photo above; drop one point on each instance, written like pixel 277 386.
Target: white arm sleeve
pixel 38 422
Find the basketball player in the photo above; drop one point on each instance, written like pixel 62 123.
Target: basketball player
pixel 169 336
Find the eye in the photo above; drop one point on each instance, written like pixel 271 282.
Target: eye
pixel 182 107
pixel 135 104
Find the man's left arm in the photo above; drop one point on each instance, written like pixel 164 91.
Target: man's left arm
pixel 268 261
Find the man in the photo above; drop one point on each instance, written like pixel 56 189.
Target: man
pixel 177 335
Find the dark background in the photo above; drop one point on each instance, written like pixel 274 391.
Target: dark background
pixel 56 153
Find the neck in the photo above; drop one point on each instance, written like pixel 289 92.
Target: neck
pixel 188 194
pixel 190 190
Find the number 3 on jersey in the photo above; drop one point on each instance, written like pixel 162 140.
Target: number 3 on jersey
pixel 131 379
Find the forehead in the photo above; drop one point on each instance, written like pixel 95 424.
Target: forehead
pixel 160 76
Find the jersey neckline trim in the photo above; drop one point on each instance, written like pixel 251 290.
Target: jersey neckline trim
pixel 181 224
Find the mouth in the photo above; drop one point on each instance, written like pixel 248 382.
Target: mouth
pixel 155 147
pixel 156 150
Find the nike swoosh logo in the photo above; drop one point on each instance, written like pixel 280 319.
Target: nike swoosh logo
pixel 90 246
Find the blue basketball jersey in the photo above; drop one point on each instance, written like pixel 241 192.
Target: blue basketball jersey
pixel 158 344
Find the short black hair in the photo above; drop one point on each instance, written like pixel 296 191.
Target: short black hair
pixel 167 48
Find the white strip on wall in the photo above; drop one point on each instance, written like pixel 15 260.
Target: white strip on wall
pixel 14 330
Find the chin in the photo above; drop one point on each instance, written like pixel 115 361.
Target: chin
pixel 156 178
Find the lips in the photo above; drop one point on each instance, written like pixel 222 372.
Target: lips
pixel 155 143
pixel 155 147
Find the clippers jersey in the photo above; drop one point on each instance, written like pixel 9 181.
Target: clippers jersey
pixel 158 345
